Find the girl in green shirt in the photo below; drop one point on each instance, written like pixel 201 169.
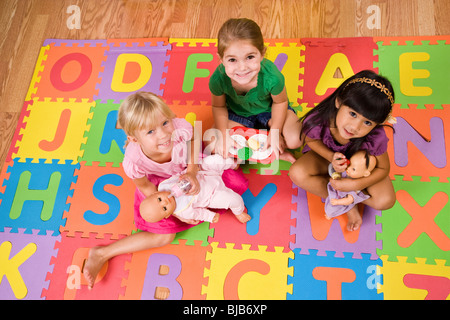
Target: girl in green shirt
pixel 248 90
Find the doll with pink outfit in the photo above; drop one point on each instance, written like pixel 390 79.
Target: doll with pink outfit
pixel 171 197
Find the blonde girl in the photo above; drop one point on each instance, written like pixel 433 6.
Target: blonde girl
pixel 157 148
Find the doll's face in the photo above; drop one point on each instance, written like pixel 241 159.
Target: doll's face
pixel 160 206
pixel 357 167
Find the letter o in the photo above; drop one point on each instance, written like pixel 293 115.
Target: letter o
pixel 85 73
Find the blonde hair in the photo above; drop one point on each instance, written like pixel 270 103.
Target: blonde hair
pixel 138 111
pixel 239 29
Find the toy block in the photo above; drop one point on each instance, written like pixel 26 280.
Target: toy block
pixel 268 200
pixel 176 268
pixel 70 72
pixel 418 225
pixel 324 57
pixel 328 277
pixel 404 280
pixel 24 263
pixel 247 274
pixel 416 70
pixel 189 70
pixel 53 130
pixel 102 202
pixel 67 281
pixel 105 142
pixel 130 68
pixel 35 196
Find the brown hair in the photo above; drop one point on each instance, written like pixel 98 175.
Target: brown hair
pixel 239 29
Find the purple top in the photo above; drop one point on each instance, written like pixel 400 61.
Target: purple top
pixel 376 141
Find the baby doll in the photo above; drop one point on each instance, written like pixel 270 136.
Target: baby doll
pixel 213 194
pixel 360 165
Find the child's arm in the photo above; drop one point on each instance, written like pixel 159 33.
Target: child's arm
pixel 380 172
pixel 278 117
pixel 336 158
pixel 193 161
pixel 145 186
pixel 220 115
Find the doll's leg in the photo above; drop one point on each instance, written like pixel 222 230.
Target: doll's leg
pixel 382 195
pixel 135 242
pixel 310 172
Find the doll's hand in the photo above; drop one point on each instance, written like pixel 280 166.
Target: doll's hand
pixel 340 162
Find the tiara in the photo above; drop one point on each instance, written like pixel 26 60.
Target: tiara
pixel 383 89
pixel 375 84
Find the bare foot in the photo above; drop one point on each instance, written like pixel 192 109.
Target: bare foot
pixel 354 219
pixel 243 217
pixel 92 266
pixel 216 218
pixel 287 156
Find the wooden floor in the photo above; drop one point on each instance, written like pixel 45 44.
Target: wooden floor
pixel 26 24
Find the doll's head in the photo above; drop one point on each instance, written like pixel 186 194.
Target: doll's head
pixel 361 164
pixel 157 206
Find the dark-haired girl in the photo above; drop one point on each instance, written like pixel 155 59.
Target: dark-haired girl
pixel 350 119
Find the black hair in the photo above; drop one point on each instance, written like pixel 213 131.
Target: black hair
pixel 366 99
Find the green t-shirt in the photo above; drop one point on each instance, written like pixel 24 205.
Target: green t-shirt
pixel 258 99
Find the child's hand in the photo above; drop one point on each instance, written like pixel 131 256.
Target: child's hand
pixel 340 162
pixel 278 144
pixel 344 184
pixel 223 143
pixel 188 221
pixel 192 177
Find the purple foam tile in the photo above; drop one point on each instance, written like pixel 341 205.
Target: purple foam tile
pixel 335 240
pixel 33 271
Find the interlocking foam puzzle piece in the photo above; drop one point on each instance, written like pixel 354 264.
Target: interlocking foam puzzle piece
pixel 328 277
pixel 25 112
pixel 418 146
pixel 200 233
pixel 102 202
pixel 24 263
pixel 36 73
pixel 415 68
pixel 314 231
pixel 35 196
pixel 192 62
pixel 67 281
pixel 287 56
pixel 404 280
pixel 71 69
pixel 273 168
pixel 53 130
pixel 130 67
pixel 418 226
pixel 268 201
pixel 247 274
pixel 184 277
pixel 323 57
pixel 201 113
pixel 105 142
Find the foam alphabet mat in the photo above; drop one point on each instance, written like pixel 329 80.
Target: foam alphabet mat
pixel 63 189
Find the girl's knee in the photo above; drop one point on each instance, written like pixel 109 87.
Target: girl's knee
pixel 165 239
pixel 385 203
pixel 296 173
